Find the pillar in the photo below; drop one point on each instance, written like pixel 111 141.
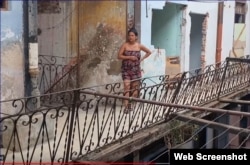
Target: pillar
pixel 33 52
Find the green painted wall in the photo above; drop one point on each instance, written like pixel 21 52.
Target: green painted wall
pixel 166 29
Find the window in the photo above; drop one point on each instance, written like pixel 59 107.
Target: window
pixel 3 4
pixel 239 18
pixel 49 6
pixel 240 12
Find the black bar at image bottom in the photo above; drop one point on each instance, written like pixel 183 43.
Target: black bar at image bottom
pixel 180 156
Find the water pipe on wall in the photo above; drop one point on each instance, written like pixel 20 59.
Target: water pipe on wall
pixel 219 33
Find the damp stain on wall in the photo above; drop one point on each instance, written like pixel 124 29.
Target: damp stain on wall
pixel 89 33
pixel 12 57
pixel 12 72
pixel 94 62
pixel 97 31
pixel 100 57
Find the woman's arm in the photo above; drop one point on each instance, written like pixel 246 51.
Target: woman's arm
pixel 146 50
pixel 121 54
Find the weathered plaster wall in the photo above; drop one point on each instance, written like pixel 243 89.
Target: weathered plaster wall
pixel 93 35
pixel 102 29
pixel 131 14
pixel 53 38
pixel 210 47
pixel 166 34
pixel 146 20
pixel 12 58
pixel 166 29
pixel 155 64
pixel 195 7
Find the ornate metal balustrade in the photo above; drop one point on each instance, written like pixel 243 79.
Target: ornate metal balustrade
pixel 73 123
pixel 56 73
pixel 56 76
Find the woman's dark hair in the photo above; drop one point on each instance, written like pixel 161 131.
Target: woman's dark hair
pixel 133 30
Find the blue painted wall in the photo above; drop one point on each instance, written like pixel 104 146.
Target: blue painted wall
pixel 166 29
pixel 12 54
pixel 12 22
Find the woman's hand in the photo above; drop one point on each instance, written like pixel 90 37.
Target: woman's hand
pixel 133 58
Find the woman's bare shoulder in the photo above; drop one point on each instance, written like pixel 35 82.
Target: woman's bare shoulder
pixel 123 45
pixel 140 45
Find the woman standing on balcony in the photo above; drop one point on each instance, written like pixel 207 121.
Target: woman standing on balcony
pixel 130 54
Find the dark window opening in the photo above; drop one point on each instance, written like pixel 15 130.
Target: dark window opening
pixel 240 12
pixel 239 18
pixel 3 4
pixel 49 7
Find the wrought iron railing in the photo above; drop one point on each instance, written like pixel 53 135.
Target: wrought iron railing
pixel 73 123
pixel 56 73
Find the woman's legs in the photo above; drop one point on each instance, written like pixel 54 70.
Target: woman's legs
pixel 126 91
pixel 135 86
pixel 131 88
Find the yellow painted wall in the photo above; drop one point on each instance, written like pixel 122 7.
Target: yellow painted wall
pixel 97 32
pixel 89 33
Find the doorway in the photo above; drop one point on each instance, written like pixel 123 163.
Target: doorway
pixel 167 35
pixel 196 41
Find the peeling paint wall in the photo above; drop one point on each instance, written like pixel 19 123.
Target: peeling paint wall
pixel 102 29
pixel 12 54
pixel 54 26
pixel 131 15
pixel 166 28
pixel 210 10
pixel 195 7
pixel 91 31
pixel 229 30
pixel 209 32
pixel 166 34
pixel 155 63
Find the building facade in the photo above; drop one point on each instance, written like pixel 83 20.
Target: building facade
pixel 76 43
pixel 183 35
pixel 195 33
